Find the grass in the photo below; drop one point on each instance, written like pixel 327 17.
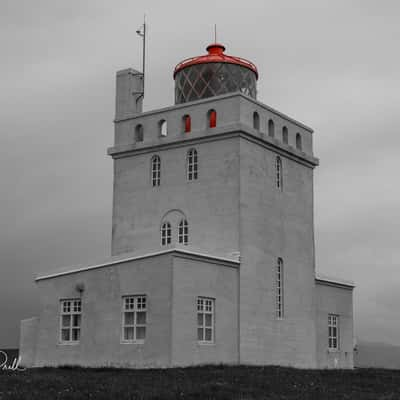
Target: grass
pixel 205 382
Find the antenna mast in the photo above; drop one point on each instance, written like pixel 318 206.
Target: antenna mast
pixel 142 33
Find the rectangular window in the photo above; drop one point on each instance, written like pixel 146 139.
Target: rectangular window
pixel 70 321
pixel 333 332
pixel 205 320
pixel 134 317
pixel 279 289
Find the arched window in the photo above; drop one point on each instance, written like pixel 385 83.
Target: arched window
pixel 256 121
pixel 299 145
pixel 285 135
pixel 279 289
pixel 183 232
pixel 212 118
pixel 156 171
pixel 279 177
pixel 192 165
pixel 271 128
pixel 162 128
pixel 139 133
pixel 165 234
pixel 186 123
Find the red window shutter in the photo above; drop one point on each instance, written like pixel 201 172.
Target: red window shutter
pixel 187 124
pixel 213 119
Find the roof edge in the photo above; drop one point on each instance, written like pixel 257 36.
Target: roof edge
pixel 122 260
pixel 325 280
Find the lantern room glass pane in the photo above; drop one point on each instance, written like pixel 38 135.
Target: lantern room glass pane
pixel 213 79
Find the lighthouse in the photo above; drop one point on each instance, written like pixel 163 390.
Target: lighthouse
pixel 212 252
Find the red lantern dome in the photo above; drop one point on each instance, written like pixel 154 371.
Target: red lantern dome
pixel 214 74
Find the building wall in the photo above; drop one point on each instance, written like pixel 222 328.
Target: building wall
pixel 274 224
pixel 334 300
pixel 220 282
pixel 27 342
pixel 210 203
pixel 100 343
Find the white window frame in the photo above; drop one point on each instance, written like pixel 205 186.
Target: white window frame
pixel 155 171
pixel 134 304
pixel 71 308
pixel 333 332
pixel 183 232
pixel 166 233
pixel 279 279
pixel 192 165
pixel 279 173
pixel 205 306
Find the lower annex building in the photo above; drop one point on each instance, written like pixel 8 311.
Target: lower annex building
pixel 212 240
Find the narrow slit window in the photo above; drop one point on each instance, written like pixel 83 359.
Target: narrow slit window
pixel 134 318
pixel 285 135
pixel 163 128
pixel 139 133
pixel 183 232
pixel 166 234
pixel 187 123
pixel 256 121
pixel 70 321
pixel 279 289
pixel 205 320
pixel 333 332
pixel 212 119
pixel 279 173
pixel 271 128
pixel 299 144
pixel 192 165
pixel 155 171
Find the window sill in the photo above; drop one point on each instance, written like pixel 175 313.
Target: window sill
pixel 206 343
pixel 132 342
pixel 68 343
pixel 333 350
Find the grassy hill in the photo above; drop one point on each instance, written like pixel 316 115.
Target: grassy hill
pixel 207 382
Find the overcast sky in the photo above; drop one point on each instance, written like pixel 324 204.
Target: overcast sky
pixel 333 65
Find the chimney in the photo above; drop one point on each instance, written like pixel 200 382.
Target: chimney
pixel 129 93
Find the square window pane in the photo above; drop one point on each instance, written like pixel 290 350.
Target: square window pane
pixel 208 334
pixel 76 333
pixel 76 320
pixel 200 319
pixel 200 334
pixel 208 319
pixel 128 333
pixel 65 335
pixel 129 318
pixel 141 317
pixel 140 332
pixel 66 320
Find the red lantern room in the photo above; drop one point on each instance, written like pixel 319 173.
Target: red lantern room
pixel 214 74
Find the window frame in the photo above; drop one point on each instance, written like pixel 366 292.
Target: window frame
pixel 163 128
pixel 256 121
pixel 183 232
pixel 299 141
pixel 73 311
pixel 155 171
pixel 204 326
pixel 192 165
pixel 139 133
pixel 333 324
pixel 212 118
pixel 279 289
pixel 271 128
pixel 135 325
pixel 187 123
pixel 285 135
pixel 166 234
pixel 279 173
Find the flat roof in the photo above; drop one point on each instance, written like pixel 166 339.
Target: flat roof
pixel 324 279
pixel 136 256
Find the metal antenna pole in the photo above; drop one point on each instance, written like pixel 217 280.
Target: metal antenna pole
pixel 144 48
pixel 143 36
pixel 215 33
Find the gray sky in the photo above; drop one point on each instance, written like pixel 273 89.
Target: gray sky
pixel 333 65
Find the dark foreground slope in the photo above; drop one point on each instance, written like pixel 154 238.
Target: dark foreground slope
pixel 208 382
